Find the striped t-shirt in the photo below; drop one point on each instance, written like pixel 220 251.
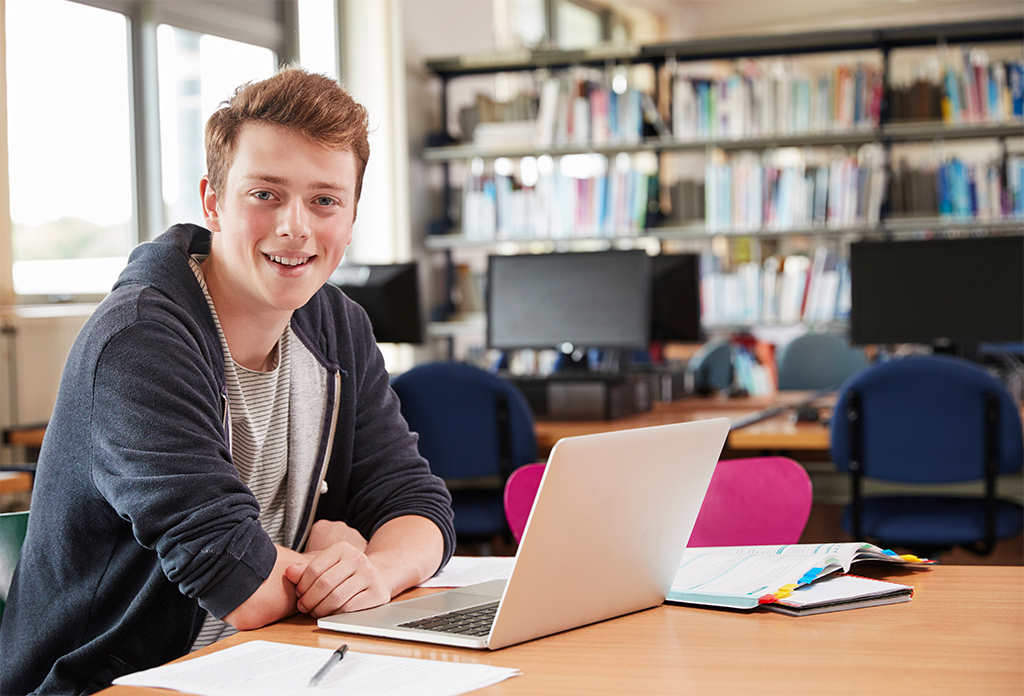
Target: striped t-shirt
pixel 258 412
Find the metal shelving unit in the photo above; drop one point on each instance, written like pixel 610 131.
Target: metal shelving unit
pixel 883 40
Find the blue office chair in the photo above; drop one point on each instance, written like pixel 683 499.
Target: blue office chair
pixel 711 366
pixel 818 361
pixel 475 429
pixel 928 420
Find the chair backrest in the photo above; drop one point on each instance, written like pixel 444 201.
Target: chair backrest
pixel 460 412
pixel 761 500
pixel 818 361
pixel 520 490
pixel 711 366
pixel 13 526
pixel 922 420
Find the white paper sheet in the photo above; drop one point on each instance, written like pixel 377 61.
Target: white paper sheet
pixel 469 570
pixel 262 668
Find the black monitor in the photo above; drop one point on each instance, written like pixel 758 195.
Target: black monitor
pixel 675 297
pixel 569 301
pixel 950 293
pixel 389 294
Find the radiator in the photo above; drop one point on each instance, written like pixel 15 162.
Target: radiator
pixel 34 344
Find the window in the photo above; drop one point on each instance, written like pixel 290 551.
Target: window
pixel 197 73
pixel 561 24
pixel 69 147
pixel 578 25
pixel 101 157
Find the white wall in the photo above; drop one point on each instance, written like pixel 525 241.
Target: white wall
pixel 370 54
pixel 704 18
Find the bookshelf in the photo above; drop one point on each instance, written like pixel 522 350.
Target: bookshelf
pixel 655 137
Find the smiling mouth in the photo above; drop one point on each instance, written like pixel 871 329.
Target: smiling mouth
pixel 286 261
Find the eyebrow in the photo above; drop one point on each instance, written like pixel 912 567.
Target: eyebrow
pixel 282 181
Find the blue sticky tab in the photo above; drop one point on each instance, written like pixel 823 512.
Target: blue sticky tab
pixel 810 575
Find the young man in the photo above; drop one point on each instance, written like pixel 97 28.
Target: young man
pixel 225 449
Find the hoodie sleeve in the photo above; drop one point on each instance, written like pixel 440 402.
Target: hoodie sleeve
pixel 160 457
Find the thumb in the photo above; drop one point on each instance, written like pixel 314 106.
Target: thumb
pixel 294 572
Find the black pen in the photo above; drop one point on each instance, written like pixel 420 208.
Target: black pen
pixel 334 659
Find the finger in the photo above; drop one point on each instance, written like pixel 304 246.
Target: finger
pixel 336 587
pixel 373 596
pixel 293 573
pixel 365 588
pixel 338 599
pixel 318 565
pixel 329 574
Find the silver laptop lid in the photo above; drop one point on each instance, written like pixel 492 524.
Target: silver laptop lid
pixel 608 528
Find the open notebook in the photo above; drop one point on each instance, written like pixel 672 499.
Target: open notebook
pixel 608 529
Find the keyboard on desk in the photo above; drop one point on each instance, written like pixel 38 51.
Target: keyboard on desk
pixel 472 621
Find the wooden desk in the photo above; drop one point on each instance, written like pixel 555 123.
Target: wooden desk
pixel 29 436
pixel 777 433
pixel 963 633
pixel 15 482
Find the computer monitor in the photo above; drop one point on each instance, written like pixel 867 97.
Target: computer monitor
pixel 675 297
pixel 950 293
pixel 390 296
pixel 569 301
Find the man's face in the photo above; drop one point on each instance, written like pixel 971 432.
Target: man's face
pixel 281 224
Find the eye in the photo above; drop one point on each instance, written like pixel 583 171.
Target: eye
pixel 263 195
pixel 326 201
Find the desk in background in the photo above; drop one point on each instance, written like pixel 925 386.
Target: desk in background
pixel 776 434
pixel 963 633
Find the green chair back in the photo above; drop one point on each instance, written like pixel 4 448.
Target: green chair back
pixel 13 526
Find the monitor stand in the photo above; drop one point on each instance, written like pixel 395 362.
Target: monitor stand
pixel 577 392
pixel 968 351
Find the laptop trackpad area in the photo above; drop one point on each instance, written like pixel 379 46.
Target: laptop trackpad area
pixel 422 607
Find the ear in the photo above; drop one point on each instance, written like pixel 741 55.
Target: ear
pixel 211 216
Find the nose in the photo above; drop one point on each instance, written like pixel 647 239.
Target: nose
pixel 294 220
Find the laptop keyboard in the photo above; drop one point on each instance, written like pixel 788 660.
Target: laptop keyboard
pixel 474 621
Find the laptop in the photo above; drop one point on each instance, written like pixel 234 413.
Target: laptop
pixel 605 538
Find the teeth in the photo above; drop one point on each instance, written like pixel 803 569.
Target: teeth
pixel 288 262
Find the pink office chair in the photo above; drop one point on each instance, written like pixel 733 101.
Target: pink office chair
pixel 762 500
pixel 520 490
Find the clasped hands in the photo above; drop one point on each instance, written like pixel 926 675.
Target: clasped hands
pixel 336 574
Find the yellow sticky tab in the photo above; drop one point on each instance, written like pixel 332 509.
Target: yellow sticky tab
pixel 911 558
pixel 785 591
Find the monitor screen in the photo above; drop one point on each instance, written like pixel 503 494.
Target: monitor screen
pixel 675 297
pixel 941 291
pixel 390 296
pixel 586 299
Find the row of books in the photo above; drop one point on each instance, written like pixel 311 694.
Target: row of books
pixel 957 189
pixel 977 90
pixel 968 88
pixel 748 191
pixel 582 108
pixel 782 290
pixel 754 367
pixel 749 99
pixel 778 101
pixel 486 110
pixel 614 203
